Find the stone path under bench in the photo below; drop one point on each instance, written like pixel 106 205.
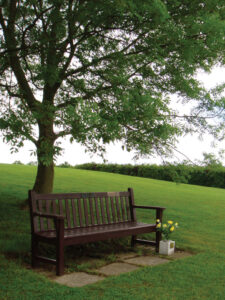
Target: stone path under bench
pixel 126 263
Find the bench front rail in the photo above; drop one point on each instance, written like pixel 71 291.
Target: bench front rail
pixel 78 218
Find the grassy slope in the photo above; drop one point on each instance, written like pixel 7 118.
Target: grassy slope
pixel 198 210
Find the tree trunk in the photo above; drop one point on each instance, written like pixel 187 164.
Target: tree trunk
pixel 45 154
pixel 44 179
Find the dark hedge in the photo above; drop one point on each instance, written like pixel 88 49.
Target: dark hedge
pixel 212 176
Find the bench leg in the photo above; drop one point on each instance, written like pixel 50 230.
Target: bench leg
pixel 34 251
pixel 159 215
pixel 133 239
pixel 158 239
pixel 60 258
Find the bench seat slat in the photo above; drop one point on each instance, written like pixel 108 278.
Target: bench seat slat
pixel 129 227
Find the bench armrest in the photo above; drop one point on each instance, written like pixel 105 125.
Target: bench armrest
pixel 149 207
pixel 159 210
pixel 58 222
pixel 51 216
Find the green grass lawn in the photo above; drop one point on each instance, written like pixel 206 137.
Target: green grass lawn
pixel 198 210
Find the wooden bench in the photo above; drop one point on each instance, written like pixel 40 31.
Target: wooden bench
pixel 74 219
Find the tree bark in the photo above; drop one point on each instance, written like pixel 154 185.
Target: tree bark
pixel 44 179
pixel 45 156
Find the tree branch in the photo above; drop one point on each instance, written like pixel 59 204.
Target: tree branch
pixel 38 16
pixel 108 57
pixel 14 50
pixel 9 32
pixel 11 94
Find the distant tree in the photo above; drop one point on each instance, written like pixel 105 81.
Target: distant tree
pixel 32 163
pixel 211 160
pixel 101 71
pixel 17 162
pixel 65 165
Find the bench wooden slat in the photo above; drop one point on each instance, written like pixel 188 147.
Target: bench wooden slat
pixel 46 260
pixel 35 222
pixel 97 211
pixel 102 211
pixel 67 213
pixel 79 195
pixel 128 209
pixel 122 208
pixel 91 211
pixel 74 213
pixel 54 207
pixel 61 207
pixel 48 210
pixel 103 228
pixel 86 212
pixel 41 210
pixel 118 209
pixel 107 210
pixel 80 212
pixel 113 209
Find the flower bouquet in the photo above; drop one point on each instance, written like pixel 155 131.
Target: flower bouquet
pixel 166 246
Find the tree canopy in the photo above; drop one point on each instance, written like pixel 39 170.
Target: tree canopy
pixel 101 71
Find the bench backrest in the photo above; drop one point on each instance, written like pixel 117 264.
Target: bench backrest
pixel 82 209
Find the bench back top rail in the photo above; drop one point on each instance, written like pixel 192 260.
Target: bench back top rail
pixel 82 209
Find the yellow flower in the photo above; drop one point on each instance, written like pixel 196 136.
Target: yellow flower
pixel 158 221
pixel 170 222
pixel 158 225
pixel 164 225
pixel 176 224
pixel 172 228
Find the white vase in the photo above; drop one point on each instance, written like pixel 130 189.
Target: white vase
pixel 166 247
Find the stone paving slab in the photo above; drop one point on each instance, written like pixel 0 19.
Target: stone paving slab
pixel 129 262
pixel 146 260
pixel 78 279
pixel 116 269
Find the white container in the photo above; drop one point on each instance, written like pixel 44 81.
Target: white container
pixel 166 247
